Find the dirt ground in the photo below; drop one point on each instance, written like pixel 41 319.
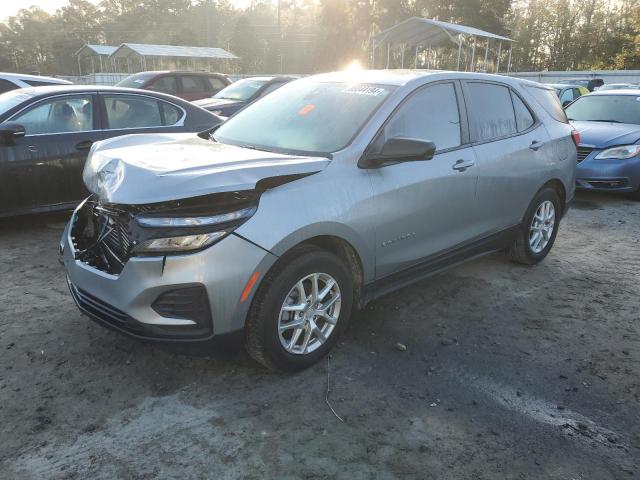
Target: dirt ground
pixel 509 373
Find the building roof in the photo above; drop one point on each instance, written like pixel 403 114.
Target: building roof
pixel 426 31
pixel 127 49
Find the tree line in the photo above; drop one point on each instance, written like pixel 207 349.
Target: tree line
pixel 306 36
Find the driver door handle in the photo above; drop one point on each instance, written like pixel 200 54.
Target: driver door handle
pixel 535 145
pixel 462 165
pixel 84 145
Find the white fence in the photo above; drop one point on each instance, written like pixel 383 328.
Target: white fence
pixel 609 76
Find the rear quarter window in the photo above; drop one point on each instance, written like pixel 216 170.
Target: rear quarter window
pixel 549 101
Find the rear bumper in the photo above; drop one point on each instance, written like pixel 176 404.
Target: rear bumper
pixel 125 302
pixel 608 175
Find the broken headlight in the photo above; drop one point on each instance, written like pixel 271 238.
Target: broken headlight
pixel 184 243
pixel 183 230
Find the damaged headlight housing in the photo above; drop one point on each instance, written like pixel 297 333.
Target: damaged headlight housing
pixel 182 234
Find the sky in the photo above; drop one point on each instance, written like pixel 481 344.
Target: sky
pixel 11 7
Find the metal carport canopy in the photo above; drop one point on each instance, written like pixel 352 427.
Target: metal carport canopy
pixel 96 49
pixel 145 50
pixel 425 31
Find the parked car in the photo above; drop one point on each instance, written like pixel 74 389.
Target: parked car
pixel 328 193
pixel 241 93
pixel 590 84
pixel 186 85
pixel 568 93
pixel 13 81
pixel 620 86
pixel 46 133
pixel 609 150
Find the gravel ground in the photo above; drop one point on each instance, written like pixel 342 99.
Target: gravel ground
pixel 509 373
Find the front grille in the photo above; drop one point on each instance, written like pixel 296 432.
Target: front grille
pixel 116 237
pixel 583 152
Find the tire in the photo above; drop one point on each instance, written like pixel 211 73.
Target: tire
pixel 530 252
pixel 279 351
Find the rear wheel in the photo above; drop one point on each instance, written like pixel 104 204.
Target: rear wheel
pixel 539 229
pixel 300 309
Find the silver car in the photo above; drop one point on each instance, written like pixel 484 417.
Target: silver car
pixel 330 192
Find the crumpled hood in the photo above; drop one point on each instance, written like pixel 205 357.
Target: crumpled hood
pixel 139 169
pixel 604 134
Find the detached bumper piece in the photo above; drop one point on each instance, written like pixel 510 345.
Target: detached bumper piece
pixel 191 303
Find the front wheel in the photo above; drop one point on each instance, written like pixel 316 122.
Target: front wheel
pixel 539 229
pixel 299 310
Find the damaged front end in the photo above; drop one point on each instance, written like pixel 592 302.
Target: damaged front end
pixel 106 235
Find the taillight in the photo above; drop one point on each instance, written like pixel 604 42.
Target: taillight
pixel 575 135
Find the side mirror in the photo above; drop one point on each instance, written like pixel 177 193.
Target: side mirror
pixel 396 150
pixel 566 103
pixel 10 131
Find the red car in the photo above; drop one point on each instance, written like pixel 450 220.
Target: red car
pixel 186 85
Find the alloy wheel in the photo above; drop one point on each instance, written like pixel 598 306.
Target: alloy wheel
pixel 542 225
pixel 309 313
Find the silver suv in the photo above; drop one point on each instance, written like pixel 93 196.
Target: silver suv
pixel 330 192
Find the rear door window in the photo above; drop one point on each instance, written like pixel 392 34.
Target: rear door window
pixel 492 114
pixel 166 84
pixel 192 84
pixel 415 118
pixel 132 112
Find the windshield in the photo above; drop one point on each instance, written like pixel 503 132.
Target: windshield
pixel 241 90
pixel 12 99
pixel 305 117
pixel 135 81
pixel 606 108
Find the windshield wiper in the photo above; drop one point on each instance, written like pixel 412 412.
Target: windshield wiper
pixel 610 121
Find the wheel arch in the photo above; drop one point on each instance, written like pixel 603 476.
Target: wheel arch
pixel 339 246
pixel 557 185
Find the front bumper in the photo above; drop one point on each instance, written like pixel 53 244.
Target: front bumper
pixel 609 175
pixel 124 302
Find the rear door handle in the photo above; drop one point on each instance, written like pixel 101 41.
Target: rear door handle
pixel 462 165
pixel 535 145
pixel 84 145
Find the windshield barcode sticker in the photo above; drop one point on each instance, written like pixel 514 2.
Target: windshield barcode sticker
pixel 364 90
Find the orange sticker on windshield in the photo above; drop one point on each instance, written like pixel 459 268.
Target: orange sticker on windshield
pixel 306 109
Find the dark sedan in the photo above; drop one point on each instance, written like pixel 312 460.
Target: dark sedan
pixel 609 150
pixel 46 134
pixel 241 93
pixel 186 85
